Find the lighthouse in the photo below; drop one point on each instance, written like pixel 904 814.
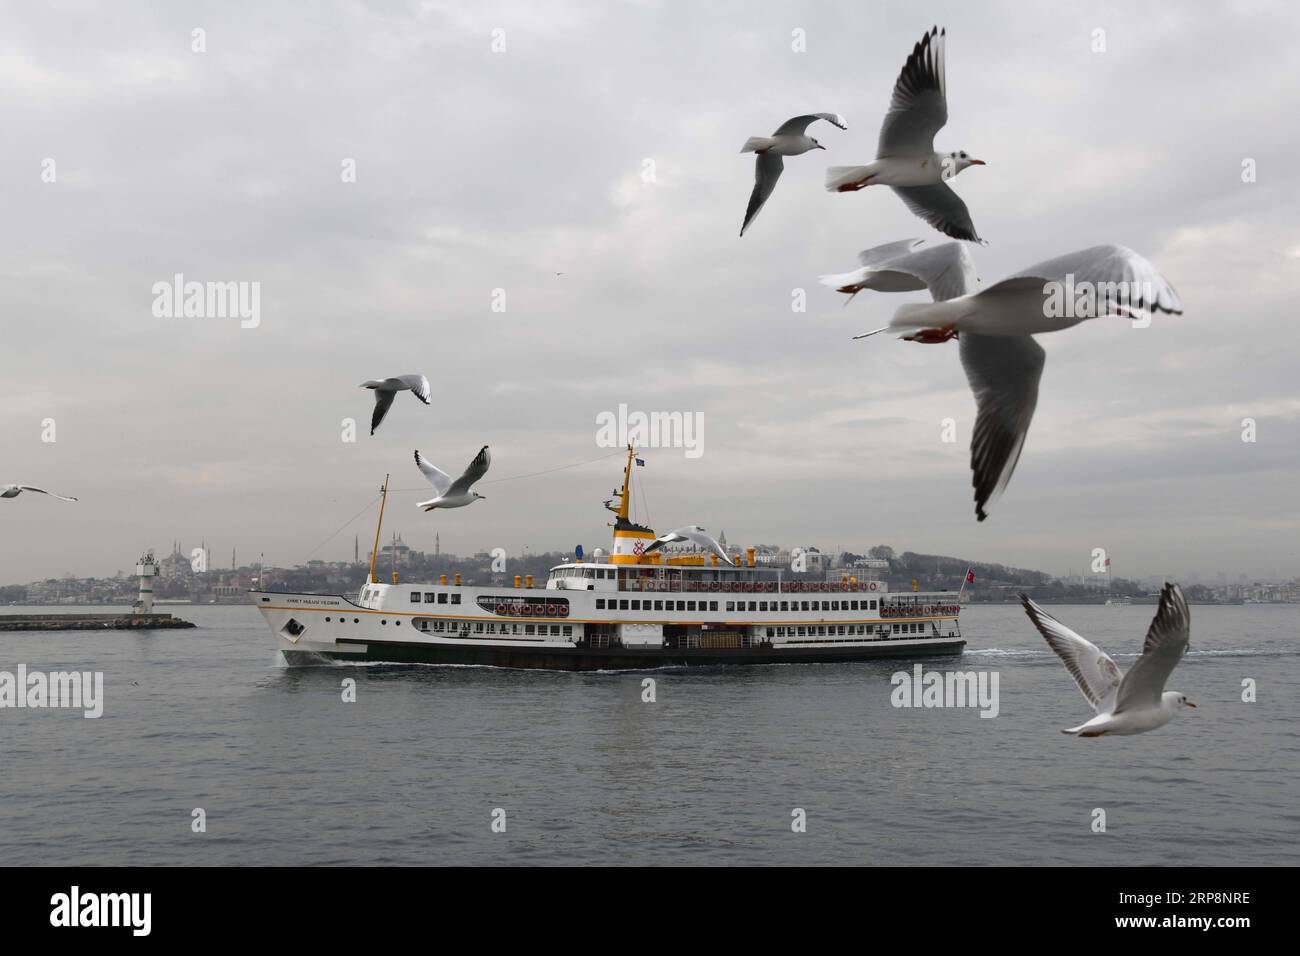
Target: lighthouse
pixel 147 569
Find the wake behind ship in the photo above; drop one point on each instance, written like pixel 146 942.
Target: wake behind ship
pixel 631 609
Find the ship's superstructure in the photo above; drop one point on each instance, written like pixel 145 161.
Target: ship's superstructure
pixel 632 608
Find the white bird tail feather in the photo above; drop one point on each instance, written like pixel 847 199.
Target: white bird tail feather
pixel 756 143
pixel 918 315
pixel 837 176
pixel 841 280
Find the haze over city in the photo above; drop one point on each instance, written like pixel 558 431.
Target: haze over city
pixel 524 171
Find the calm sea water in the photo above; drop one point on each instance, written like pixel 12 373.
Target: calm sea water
pixel 589 774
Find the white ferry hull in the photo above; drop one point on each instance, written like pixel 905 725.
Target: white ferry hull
pixel 309 628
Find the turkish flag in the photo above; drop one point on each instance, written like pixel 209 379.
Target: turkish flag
pixel 970 575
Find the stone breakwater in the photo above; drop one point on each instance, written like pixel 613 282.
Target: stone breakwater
pixel 121 621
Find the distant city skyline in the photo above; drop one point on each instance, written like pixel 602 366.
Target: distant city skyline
pixel 182 551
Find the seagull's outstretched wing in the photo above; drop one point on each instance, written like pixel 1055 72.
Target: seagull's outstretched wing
pixel 383 402
pixel 44 492
pixel 942 208
pixel 419 386
pixel 672 537
pixel 440 480
pixel 1003 371
pixel 876 256
pixel 919 106
pixel 796 125
pixel 767 170
pixel 1123 282
pixel 694 534
pixel 947 270
pixel 1090 666
pixel 476 470
pixel 1166 643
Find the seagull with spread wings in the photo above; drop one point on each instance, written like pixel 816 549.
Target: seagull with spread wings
pixel 386 390
pixel 1131 703
pixel 693 533
pixel 453 494
pixel 995 327
pixel 790 139
pixel 13 491
pixel 906 160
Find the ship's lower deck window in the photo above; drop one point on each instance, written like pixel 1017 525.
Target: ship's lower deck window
pixel 568 630
pixel 622 605
pixel 600 604
pixel 442 597
pixel 415 597
pixel 528 628
pixel 731 605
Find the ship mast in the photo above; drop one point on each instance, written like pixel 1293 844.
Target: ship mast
pixel 621 510
pixel 374 554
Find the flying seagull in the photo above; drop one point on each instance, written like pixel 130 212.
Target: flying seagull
pixel 454 494
pixel 947 271
pixel 905 156
pixel 789 140
pixel 13 491
pixel 693 533
pixel 995 328
pixel 1137 701
pixel 386 390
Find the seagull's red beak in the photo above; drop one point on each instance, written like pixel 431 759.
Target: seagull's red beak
pixel 978 162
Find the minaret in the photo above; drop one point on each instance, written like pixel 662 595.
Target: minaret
pixel 356 549
pixel 147 569
pixel 437 544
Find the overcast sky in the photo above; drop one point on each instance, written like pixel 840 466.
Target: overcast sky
pixel 479 170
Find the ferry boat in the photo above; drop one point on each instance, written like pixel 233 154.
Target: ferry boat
pixel 632 609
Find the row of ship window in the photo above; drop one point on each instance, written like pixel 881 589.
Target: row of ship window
pixel 430 596
pixel 832 630
pixel 633 604
pixel 531 630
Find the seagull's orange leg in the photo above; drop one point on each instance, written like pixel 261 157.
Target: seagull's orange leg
pixel 932 336
pixel 854 187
